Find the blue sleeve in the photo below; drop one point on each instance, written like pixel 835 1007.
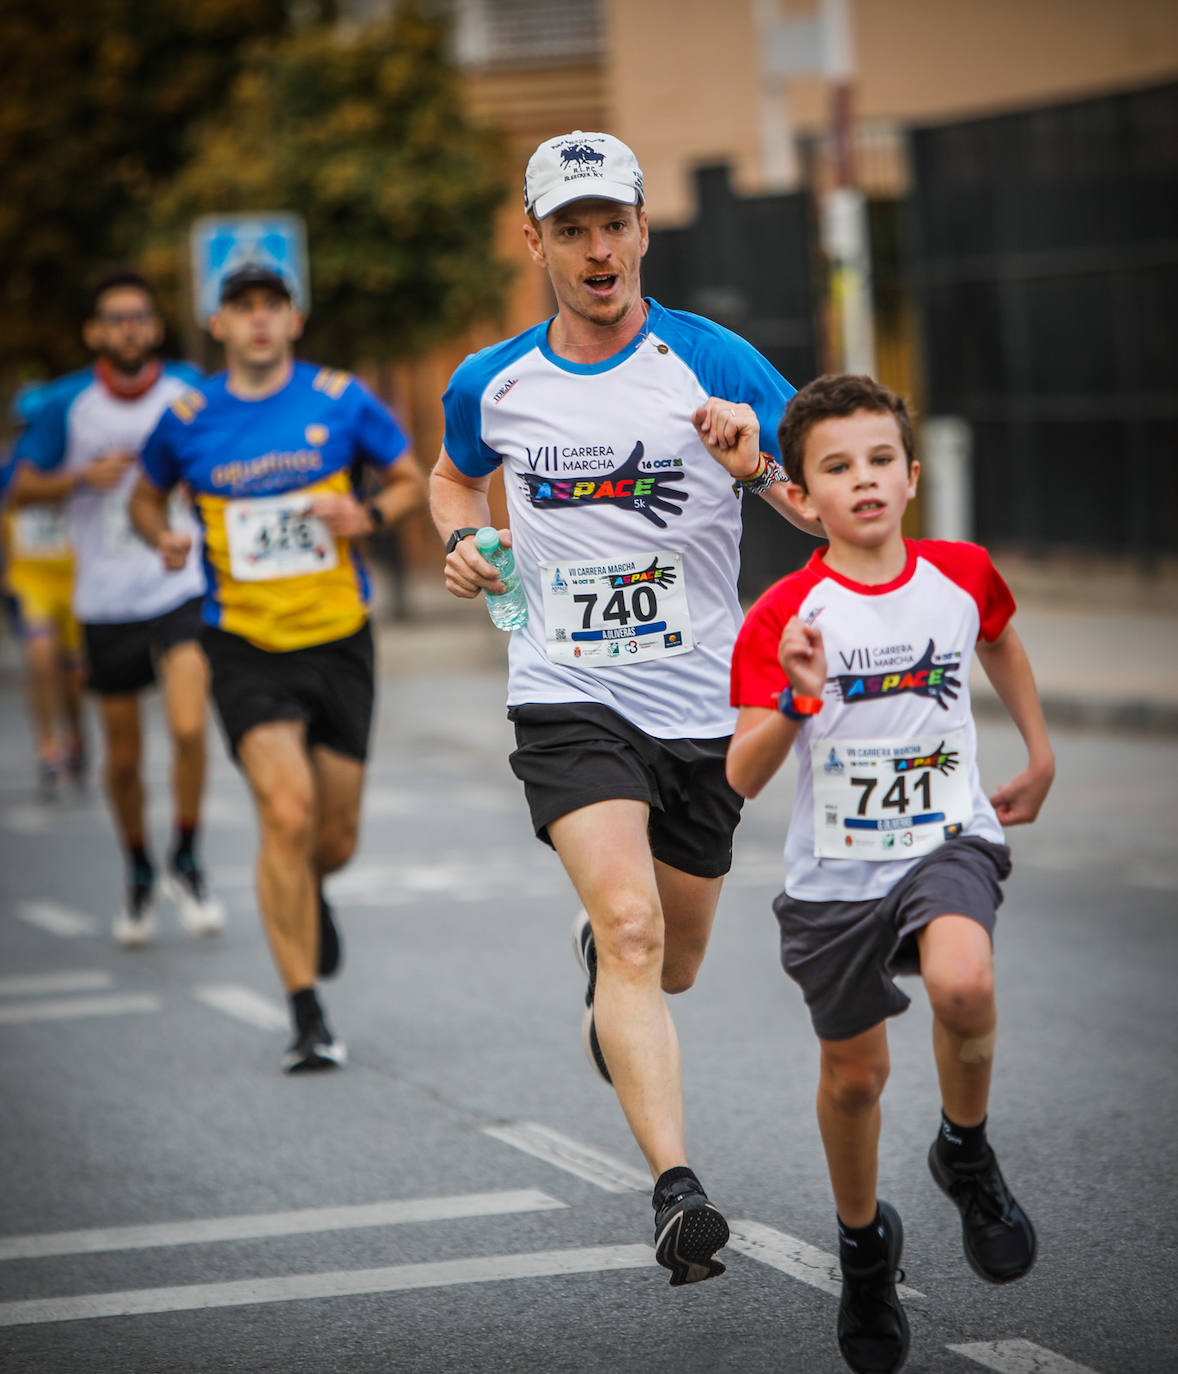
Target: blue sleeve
pixel 729 366
pixel 43 442
pixel 159 458
pixel 184 372
pixel 379 437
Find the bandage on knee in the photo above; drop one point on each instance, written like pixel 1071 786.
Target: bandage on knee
pixel 979 1049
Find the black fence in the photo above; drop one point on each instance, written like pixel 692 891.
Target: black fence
pixel 1044 257
pixel 747 264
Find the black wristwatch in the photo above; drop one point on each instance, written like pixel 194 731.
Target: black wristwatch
pixel 457 536
pixel 376 515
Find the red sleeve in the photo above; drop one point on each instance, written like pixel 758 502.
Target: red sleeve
pixel 757 676
pixel 970 567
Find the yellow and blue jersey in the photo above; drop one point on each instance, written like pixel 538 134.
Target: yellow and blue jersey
pixel 275 575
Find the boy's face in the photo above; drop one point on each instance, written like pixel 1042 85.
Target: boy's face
pixel 858 479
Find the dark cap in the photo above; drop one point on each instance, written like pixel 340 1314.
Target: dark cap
pixel 253 274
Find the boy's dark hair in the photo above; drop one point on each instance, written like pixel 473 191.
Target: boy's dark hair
pixel 123 276
pixel 836 394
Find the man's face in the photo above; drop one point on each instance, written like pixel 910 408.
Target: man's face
pixel 593 251
pixel 125 328
pixel 257 327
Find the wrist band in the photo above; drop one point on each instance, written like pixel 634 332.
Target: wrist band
pixel 797 708
pixel 768 472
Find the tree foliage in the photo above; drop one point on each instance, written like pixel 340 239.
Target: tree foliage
pixel 97 101
pixel 363 133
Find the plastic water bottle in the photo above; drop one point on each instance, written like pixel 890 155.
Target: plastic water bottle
pixel 508 610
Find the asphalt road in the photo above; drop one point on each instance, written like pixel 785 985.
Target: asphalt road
pixel 465 1195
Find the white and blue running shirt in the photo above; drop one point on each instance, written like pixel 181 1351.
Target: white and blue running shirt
pixel 626 531
pixel 117 577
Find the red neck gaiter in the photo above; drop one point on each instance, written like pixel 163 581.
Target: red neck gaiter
pixel 124 387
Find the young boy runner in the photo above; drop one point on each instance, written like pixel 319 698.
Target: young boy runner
pixel 894 856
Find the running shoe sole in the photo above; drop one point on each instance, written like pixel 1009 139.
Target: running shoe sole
pixel 688 1241
pixel 134 932
pixel 327 1056
pixel 197 918
pixel 593 1045
pixel 582 944
pixel 330 944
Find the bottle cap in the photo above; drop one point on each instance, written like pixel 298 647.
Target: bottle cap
pixel 487 539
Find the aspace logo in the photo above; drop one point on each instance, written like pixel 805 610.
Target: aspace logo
pixel 656 575
pixel 630 487
pixel 924 678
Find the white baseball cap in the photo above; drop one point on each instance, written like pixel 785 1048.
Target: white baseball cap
pixel 576 165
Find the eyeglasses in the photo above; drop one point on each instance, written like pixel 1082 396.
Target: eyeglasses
pixel 118 317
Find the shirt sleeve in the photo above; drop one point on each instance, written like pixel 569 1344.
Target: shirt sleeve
pixel 757 676
pixel 43 443
pixel 970 566
pixel 379 437
pixel 463 440
pixel 159 458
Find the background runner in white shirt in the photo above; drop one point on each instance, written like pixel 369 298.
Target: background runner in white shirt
pixel 626 535
pixel 138 622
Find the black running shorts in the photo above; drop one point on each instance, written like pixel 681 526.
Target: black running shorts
pixel 121 656
pixel 577 753
pixel 845 955
pixel 330 687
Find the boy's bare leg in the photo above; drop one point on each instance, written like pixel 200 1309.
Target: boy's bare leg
pixel 957 965
pixel 851 1080
pixel 606 853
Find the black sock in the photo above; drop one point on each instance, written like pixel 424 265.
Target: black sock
pixel 142 869
pixel 184 853
pixel 961 1144
pixel 305 1006
pixel 860 1246
pixel 669 1176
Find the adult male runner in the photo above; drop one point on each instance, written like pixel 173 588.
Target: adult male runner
pixel 39 577
pixel 626 536
pixel 138 623
pixel 269 449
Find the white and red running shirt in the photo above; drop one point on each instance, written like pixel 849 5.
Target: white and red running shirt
pixel 626 532
pixel 888 768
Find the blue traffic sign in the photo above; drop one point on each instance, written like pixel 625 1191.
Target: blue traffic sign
pixel 219 244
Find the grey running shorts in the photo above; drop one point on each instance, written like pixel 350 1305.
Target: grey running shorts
pixel 576 753
pixel 845 955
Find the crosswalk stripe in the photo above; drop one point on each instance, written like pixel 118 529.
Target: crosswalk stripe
pixel 1018 1357
pixel 262 1225
pixel 244 1004
pixel 795 1257
pixel 337 1284
pixel 594 1166
pixel 37 984
pixel 67 1008
pixel 57 919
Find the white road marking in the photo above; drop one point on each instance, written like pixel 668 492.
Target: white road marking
pixel 337 1284
pixel 57 919
pixel 261 1225
pixel 67 1008
pixel 35 984
pixel 1018 1357
pixel 795 1257
pixel 570 1155
pixel 27 820
pixel 244 1004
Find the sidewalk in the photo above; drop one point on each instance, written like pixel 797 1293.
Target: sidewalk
pixel 1102 639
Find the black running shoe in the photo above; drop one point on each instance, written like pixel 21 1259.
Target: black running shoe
pixel 586 952
pixel 330 945
pixel 998 1237
pixel 688 1230
pixel 872 1326
pixel 314 1047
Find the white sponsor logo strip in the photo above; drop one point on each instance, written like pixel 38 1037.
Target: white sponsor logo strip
pixel 67 1008
pixel 244 1004
pixel 57 919
pixel 338 1284
pixel 37 984
pixel 570 1155
pixel 795 1257
pixel 304 1221
pixel 1018 1357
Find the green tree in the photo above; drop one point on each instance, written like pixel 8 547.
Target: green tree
pixel 97 102
pixel 364 134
